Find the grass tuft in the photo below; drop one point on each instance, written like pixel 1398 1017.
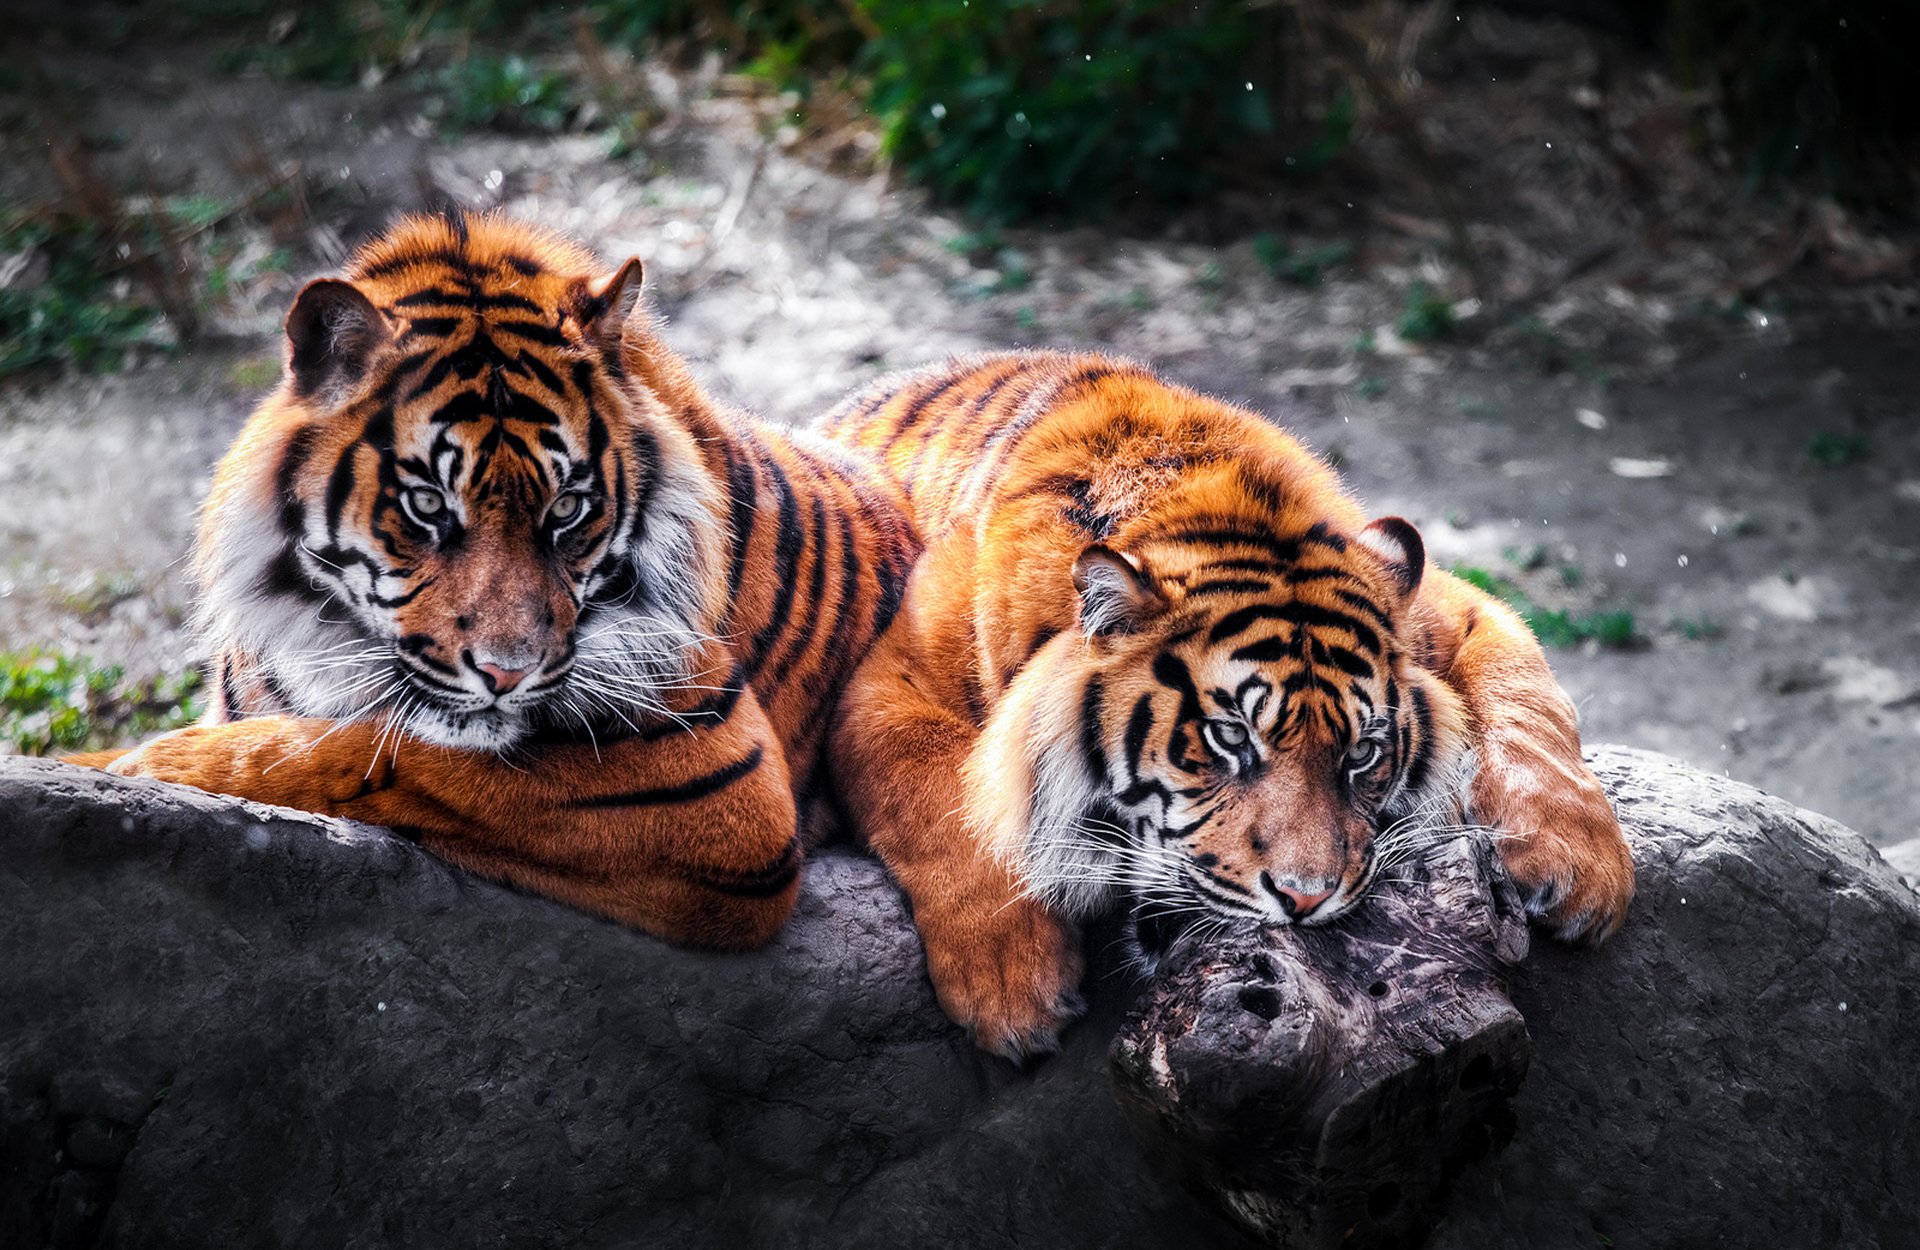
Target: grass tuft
pixel 55 703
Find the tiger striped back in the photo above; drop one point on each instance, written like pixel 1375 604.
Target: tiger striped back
pixel 1154 652
pixel 1171 599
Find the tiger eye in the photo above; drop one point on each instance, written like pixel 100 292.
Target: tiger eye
pixel 566 507
pixel 1230 734
pixel 1363 755
pixel 426 501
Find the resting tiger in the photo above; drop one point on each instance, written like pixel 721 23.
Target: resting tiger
pixel 490 569
pixel 1152 647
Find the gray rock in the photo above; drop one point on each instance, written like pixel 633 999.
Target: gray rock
pixel 225 1024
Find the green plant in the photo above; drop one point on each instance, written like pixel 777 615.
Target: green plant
pixel 52 702
pixel 1554 627
pixel 1837 451
pixel 1427 316
pixel 1306 268
pixel 1696 630
pixel 505 93
pixel 56 307
pixel 1048 109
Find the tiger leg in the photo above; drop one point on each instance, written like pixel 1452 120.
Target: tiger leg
pixel 692 837
pixel 1001 963
pixel 1563 843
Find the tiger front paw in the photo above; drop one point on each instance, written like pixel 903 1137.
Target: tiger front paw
pixel 1577 877
pixel 1009 973
pixel 1563 845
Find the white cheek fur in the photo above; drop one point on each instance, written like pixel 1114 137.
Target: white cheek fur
pixel 331 657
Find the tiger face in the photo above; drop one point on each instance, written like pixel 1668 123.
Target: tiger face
pixel 461 511
pixel 1234 730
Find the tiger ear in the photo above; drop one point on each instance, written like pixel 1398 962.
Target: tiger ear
pixel 1117 594
pixel 333 329
pixel 607 302
pixel 1398 546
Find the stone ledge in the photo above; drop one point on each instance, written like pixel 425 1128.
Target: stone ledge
pixel 222 1023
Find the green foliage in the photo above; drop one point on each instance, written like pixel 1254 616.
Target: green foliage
pixel 1427 316
pixel 775 36
pixel 1837 451
pixel 505 93
pixel 1046 109
pixel 55 308
pixel 1306 268
pixel 54 703
pixel 1554 627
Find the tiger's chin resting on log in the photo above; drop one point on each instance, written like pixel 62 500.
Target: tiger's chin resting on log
pixel 489 568
pixel 1152 650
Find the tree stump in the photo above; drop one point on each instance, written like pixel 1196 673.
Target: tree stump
pixel 1323 1084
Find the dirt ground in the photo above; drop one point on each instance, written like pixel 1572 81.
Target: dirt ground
pixel 1643 442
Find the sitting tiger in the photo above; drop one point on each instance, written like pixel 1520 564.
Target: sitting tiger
pixel 1153 648
pixel 489 568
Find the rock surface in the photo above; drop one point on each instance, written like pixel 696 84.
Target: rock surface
pixel 222 1024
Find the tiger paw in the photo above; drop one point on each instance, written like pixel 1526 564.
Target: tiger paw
pixel 1010 973
pixel 1575 875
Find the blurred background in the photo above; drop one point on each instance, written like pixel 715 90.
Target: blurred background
pixel 1617 299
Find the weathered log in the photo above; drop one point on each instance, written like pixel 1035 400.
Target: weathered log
pixel 1323 1084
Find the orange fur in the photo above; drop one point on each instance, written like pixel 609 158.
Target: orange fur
pixel 1153 644
pixel 618 701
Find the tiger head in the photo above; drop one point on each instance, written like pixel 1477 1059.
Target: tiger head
pixel 1234 729
pixel 468 507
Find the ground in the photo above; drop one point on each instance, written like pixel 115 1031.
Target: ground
pixel 1717 440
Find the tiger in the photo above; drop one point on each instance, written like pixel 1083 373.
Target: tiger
pixel 489 568
pixel 1154 651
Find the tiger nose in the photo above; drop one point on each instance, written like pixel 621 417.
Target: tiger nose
pixel 500 680
pixel 1298 904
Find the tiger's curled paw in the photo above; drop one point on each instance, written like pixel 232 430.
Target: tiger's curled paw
pixel 1576 877
pixel 1009 973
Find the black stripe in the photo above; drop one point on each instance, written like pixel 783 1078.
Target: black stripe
pixel 1139 723
pixel 1346 660
pixel 1366 605
pixel 536 331
pixel 293 514
pixel 839 653
pixel 430 327
pixel 816 589
pixel 1171 671
pixel 790 538
pixel 394 264
pixel 1306 615
pixel 1423 715
pixel 1092 712
pixel 1270 650
pixel 743 492
pixel 1230 586
pixel 685 792
pixel 1245 564
pixel 1240 619
pixel 229 698
pixel 918 406
pixel 1284 552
